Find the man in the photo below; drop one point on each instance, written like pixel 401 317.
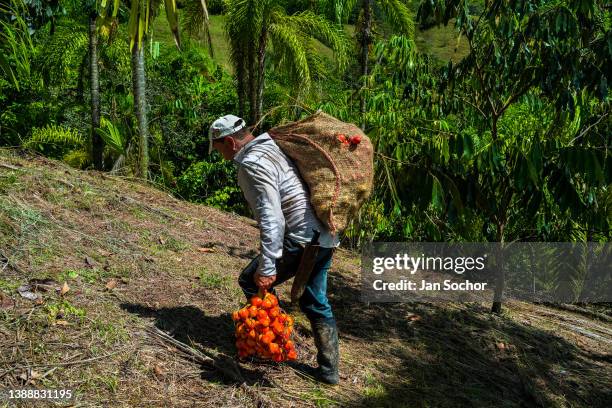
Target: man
pixel 279 200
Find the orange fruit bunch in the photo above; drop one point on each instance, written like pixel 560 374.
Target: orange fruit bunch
pixel 264 330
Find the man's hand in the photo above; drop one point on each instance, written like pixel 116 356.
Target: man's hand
pixel 264 282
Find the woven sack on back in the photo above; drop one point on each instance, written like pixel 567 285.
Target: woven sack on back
pixel 338 174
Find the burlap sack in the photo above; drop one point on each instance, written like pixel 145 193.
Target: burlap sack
pixel 339 175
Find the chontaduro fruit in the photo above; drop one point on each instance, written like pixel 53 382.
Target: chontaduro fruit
pixel 263 329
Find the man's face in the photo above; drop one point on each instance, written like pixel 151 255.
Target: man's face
pixel 226 146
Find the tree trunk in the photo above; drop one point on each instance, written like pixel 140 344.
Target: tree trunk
pixel 500 282
pixel 261 59
pixel 140 105
pixel 240 79
pixel 97 144
pixel 366 39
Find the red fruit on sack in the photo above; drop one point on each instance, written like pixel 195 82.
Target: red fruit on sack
pixel 341 138
pixel 256 301
pixel 356 139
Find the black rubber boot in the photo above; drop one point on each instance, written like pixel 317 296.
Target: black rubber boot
pixel 326 339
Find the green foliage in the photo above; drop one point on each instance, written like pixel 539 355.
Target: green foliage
pixel 213 280
pixel 15 42
pixel 79 159
pixel 112 137
pixel 63 309
pixel 213 184
pixel 62 56
pixel 53 135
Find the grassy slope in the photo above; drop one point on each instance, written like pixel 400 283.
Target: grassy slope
pixel 130 256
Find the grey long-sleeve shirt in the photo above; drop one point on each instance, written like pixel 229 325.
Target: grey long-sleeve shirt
pixel 279 200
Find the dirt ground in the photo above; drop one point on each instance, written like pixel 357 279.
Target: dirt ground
pixel 114 264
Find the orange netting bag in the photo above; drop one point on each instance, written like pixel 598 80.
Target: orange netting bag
pixel 335 159
pixel 263 329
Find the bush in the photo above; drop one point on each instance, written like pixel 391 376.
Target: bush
pixel 214 184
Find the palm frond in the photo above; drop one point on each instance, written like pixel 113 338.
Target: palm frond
pixel 54 135
pixel 289 47
pixel 78 158
pixel 242 24
pixel 316 64
pixel 63 53
pixel 172 17
pixel 338 11
pixel 326 32
pixel 399 16
pixel 196 21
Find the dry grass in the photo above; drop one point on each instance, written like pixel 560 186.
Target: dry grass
pixel 129 254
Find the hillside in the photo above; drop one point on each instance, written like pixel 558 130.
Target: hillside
pixel 113 264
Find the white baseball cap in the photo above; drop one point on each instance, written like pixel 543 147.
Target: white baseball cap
pixel 224 126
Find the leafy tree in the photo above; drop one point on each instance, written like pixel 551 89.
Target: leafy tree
pixel 470 153
pixel 395 13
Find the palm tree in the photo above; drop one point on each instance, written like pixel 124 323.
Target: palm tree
pixel 254 27
pixel 142 13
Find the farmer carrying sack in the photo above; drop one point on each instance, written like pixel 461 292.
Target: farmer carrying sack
pixel 335 159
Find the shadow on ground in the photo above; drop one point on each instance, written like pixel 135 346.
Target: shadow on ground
pixel 190 325
pixel 467 357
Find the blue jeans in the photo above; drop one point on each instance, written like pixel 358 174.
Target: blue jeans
pixel 314 302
